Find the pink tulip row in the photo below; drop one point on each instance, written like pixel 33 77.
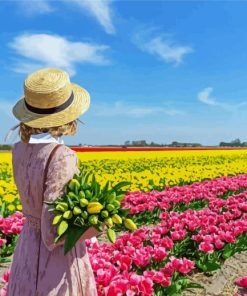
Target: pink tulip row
pixel 147 250
pixel 143 261
pixel 126 267
pixel 139 202
pixel 12 224
pixel 9 227
pixel 222 222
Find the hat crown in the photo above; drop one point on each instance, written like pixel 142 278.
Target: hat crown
pixel 47 88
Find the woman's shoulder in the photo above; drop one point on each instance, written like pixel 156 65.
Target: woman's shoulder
pixel 63 152
pixel 66 150
pixel 64 158
pixel 15 147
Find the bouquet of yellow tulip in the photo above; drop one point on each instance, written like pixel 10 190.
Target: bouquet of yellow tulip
pixel 85 204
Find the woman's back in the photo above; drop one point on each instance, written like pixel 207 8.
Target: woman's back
pixel 29 161
pixel 39 266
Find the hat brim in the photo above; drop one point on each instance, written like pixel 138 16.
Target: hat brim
pixel 79 106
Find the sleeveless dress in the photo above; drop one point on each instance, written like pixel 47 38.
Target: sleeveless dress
pixel 39 267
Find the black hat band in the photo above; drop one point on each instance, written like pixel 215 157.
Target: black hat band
pixel 52 110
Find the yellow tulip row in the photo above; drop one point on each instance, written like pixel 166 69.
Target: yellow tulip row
pixel 156 169
pixel 145 170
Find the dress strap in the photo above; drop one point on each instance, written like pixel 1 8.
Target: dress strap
pixel 44 187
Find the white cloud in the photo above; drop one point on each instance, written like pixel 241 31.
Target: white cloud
pixel 167 50
pixel 43 50
pixel 205 97
pixel 35 7
pixel 161 46
pixel 120 108
pixel 101 10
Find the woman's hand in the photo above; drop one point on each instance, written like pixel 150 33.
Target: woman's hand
pixel 89 233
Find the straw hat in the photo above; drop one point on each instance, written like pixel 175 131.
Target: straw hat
pixel 50 99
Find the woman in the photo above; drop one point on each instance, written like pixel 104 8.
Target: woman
pixel 42 166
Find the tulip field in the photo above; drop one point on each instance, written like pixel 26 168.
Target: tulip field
pixel 190 208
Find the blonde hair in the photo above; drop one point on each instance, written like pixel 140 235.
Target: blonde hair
pixel 26 131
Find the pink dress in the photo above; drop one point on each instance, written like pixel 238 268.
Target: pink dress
pixel 39 267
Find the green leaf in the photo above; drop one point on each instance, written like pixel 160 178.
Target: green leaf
pixel 104 190
pixel 5 260
pixel 174 289
pixel 77 177
pixel 70 202
pixel 3 208
pixel 73 235
pixel 120 185
pixel 228 251
pixel 199 264
pixel 86 177
pixel 194 285
pixel 97 189
pixel 93 182
pixel 76 191
pixel 210 266
pixel 123 212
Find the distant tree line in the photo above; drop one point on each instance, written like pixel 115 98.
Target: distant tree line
pixel 234 143
pixel 143 143
pixel 5 147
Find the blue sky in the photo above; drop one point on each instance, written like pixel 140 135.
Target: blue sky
pixel 155 70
